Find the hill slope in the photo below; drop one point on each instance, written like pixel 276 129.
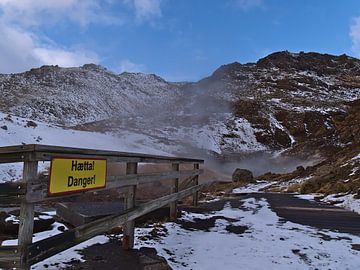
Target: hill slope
pixel 285 103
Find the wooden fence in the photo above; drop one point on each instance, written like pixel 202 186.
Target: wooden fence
pixel 34 189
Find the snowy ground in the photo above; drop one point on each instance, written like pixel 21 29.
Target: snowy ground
pixel 257 187
pixel 244 235
pixel 267 243
pixel 346 201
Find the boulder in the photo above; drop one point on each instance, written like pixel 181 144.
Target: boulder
pixel 243 176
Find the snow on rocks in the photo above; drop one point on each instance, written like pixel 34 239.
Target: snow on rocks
pixel 250 188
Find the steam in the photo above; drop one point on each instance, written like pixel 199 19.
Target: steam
pixel 197 106
pixel 258 163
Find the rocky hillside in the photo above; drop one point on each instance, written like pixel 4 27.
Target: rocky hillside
pixel 290 99
pixel 295 104
pixel 69 96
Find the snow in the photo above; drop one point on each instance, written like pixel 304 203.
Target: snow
pixel 243 138
pixel 38 236
pixel 310 197
pixel 13 219
pixel 266 244
pixel 346 201
pixel 253 187
pixel 60 260
pixel 17 133
pixel 275 123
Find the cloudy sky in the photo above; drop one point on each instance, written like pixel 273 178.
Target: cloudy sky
pixel 176 39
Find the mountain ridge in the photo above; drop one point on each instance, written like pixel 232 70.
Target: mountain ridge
pixel 285 103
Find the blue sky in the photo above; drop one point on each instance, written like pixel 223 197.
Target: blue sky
pixel 176 39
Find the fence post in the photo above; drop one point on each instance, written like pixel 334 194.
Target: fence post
pixel 196 182
pixel 174 189
pixel 27 215
pixel 129 227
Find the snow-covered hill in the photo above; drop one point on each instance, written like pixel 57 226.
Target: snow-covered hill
pixel 16 130
pixel 69 96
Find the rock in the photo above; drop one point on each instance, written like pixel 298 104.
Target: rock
pixel 151 261
pixel 31 124
pixel 243 175
pixel 300 169
pixel 9 222
pixel 4 127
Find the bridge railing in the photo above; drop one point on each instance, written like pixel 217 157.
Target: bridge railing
pixel 35 189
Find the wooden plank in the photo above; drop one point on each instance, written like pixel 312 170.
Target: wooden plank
pixel 12 188
pixel 23 148
pixel 105 224
pixel 50 246
pixel 11 200
pixel 174 189
pixel 196 182
pixel 47 156
pixel 9 257
pixel 76 151
pixel 129 227
pixel 186 183
pixel 18 153
pixel 39 191
pixel 27 215
pixel 12 157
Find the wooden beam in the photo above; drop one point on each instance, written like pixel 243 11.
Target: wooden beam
pixel 196 182
pixel 174 189
pixel 12 157
pixel 23 148
pixel 27 215
pixel 39 192
pixel 12 188
pixel 186 183
pixel 50 246
pixel 19 153
pixel 9 257
pixel 11 199
pixel 129 227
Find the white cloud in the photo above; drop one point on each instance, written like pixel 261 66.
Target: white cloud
pixel 29 13
pixel 128 66
pixel 355 35
pixel 23 47
pixel 145 10
pixel 21 50
pixel 246 5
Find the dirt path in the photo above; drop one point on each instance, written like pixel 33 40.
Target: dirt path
pixel 311 213
pixel 111 256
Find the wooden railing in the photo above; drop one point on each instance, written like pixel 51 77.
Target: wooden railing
pixel 34 189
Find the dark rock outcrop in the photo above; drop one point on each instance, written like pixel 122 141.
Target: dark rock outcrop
pixel 243 175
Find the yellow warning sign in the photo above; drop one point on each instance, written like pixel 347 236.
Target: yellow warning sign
pixel 69 175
